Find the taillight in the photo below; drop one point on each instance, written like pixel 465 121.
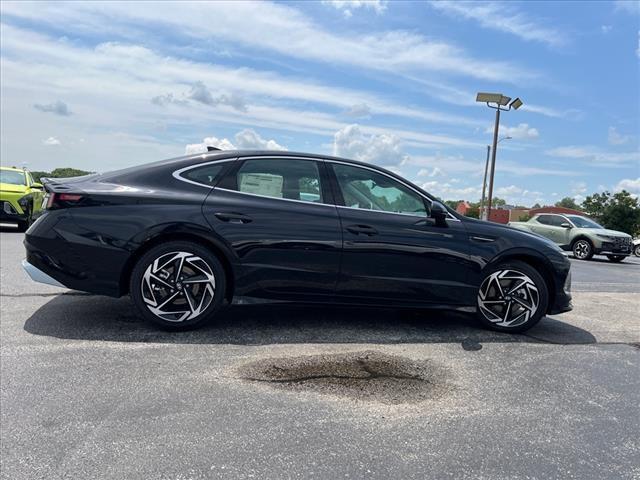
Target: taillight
pixel 62 200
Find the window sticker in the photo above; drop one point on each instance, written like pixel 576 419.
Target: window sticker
pixel 261 184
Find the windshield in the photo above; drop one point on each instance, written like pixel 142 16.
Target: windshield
pixel 582 222
pixel 12 177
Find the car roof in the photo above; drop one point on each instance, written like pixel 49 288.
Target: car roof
pixel 12 169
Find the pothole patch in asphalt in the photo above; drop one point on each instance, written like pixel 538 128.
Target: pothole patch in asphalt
pixel 366 376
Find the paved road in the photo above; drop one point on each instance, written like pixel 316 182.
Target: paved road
pixel 89 391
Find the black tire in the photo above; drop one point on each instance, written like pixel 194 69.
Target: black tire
pixel 204 285
pixel 636 251
pixel 616 258
pixel 534 291
pixel 582 249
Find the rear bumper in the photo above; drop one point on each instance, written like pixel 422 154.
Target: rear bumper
pixel 39 276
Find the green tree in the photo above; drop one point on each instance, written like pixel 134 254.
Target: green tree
pixel 59 173
pixel 568 202
pixel 619 211
pixel 498 202
pixel 453 204
pixel 536 205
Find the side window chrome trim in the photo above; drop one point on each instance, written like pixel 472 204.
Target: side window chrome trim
pixel 177 174
pixel 276 198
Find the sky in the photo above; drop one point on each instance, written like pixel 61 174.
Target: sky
pixel 101 86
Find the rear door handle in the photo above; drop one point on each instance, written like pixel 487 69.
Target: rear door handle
pixel 364 229
pixel 233 217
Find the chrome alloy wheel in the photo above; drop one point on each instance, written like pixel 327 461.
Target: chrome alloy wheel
pixel 581 249
pixel 508 298
pixel 178 286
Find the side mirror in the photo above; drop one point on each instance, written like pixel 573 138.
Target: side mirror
pixel 36 185
pixel 566 225
pixel 439 214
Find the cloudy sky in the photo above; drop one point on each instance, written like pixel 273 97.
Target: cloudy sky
pixel 100 86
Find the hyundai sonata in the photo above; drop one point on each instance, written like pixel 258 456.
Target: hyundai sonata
pixel 184 236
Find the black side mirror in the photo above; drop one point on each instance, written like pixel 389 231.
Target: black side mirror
pixel 566 225
pixel 439 214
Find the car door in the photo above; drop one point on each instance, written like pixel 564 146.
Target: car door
pixel 560 230
pixel 392 251
pixel 542 226
pixel 278 216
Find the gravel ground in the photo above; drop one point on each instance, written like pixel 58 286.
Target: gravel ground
pixel 90 391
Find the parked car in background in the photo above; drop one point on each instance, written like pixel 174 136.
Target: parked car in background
pixel 20 196
pixel 579 234
pixel 183 236
pixel 636 247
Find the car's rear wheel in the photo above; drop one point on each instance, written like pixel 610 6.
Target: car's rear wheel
pixel 178 285
pixel 616 258
pixel 582 249
pixel 513 297
pixel 636 251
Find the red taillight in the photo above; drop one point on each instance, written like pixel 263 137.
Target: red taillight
pixel 69 197
pixel 61 200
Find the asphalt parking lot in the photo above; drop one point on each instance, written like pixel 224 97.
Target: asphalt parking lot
pixel 90 391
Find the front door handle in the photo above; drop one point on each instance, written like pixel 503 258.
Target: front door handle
pixel 233 217
pixel 364 229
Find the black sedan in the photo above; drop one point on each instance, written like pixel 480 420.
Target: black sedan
pixel 186 235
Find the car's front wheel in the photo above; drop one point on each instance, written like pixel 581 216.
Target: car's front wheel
pixel 178 285
pixel 636 251
pixel 616 258
pixel 513 297
pixel 582 249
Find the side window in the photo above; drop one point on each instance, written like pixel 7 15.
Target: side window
pixel 281 178
pixel 369 190
pixel 544 219
pixel 206 174
pixel 30 180
pixel 557 220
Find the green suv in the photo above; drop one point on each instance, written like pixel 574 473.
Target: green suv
pixel 20 197
pixel 579 234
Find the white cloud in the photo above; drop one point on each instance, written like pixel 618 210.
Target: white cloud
pixel 594 155
pixel 627 6
pixel 504 18
pixel 382 149
pixel 51 141
pixel 347 7
pixel 606 28
pixel 522 132
pixel 616 138
pixel 396 52
pixel 57 108
pixel 246 139
pixel 510 190
pixel 359 110
pixel 221 143
pixel 424 172
pixel 446 191
pixel 200 93
pixel 631 185
pixel 571 114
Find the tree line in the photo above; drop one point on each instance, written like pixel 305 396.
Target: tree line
pixel 616 211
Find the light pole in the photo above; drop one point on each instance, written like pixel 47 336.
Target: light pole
pixel 483 213
pixel 497 101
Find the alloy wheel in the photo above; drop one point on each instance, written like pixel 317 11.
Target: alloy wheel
pixel 178 286
pixel 581 249
pixel 508 298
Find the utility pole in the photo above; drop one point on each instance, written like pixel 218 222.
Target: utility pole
pixel 483 216
pixel 500 103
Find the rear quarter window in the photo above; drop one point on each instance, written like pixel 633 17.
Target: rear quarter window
pixel 205 175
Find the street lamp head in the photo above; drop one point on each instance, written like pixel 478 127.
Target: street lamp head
pixel 504 100
pixel 490 98
pixel 516 104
